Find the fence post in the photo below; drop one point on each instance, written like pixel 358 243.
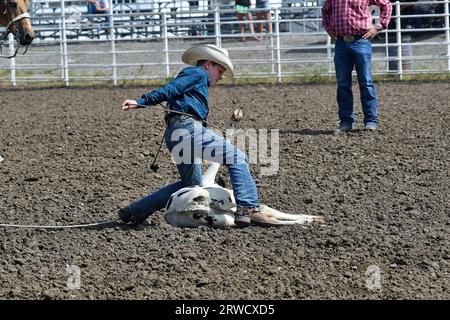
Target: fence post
pixel 166 43
pixel 447 31
pixel 386 51
pixel 217 32
pixel 64 44
pixel 329 56
pixel 277 44
pixel 12 60
pixel 398 26
pixel 272 55
pixel 113 45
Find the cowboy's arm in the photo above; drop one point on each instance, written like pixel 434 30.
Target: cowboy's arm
pixel 385 12
pixel 184 82
pixel 385 16
pixel 327 12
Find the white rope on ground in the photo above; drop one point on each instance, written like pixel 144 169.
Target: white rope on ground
pixel 35 226
pixel 238 113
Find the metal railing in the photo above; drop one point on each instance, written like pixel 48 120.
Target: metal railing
pixel 148 45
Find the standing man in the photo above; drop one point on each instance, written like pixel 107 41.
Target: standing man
pixel 189 141
pixel 349 22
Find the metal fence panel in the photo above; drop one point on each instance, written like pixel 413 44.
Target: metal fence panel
pixel 146 45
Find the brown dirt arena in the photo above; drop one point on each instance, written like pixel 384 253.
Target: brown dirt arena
pixel 73 156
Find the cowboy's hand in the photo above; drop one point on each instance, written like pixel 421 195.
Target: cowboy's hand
pixel 371 33
pixel 129 104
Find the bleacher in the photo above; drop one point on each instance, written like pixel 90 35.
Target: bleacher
pixel 143 18
pixel 307 12
pixel 132 19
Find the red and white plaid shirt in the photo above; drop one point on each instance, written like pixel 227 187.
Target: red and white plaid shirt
pixel 352 17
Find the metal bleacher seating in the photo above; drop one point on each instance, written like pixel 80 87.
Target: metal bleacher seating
pixel 306 11
pixel 131 19
pixel 143 18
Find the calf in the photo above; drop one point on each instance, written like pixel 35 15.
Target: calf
pixel 213 205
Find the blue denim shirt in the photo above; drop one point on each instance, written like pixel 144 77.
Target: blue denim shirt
pixel 188 92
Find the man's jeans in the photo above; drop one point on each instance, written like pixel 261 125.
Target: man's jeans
pixel 189 142
pixel 359 54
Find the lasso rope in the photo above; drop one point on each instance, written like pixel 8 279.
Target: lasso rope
pixel 112 221
pixel 237 115
pixel 36 226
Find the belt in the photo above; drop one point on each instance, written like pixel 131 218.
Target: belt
pixel 172 116
pixel 350 38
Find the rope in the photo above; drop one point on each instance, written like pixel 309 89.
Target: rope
pixel 36 226
pixel 96 224
pixel 155 167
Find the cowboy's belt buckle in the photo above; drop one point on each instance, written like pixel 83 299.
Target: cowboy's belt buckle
pixel 349 38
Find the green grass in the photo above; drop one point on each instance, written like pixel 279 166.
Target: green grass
pixel 294 78
pixel 5 74
pixel 48 72
pixel 100 74
pixel 415 77
pixel 24 73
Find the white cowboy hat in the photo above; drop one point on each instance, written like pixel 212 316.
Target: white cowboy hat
pixel 209 52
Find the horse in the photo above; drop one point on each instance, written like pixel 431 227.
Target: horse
pixel 16 19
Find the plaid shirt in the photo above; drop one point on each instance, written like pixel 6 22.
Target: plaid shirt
pixel 352 17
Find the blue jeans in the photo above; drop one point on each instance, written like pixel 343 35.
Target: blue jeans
pixel 359 54
pixel 189 142
pixel 91 9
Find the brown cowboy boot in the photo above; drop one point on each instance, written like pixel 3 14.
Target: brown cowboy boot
pixel 246 216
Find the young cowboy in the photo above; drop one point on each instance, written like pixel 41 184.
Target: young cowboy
pixel 189 141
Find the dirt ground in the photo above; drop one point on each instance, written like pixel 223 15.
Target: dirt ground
pixel 73 156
